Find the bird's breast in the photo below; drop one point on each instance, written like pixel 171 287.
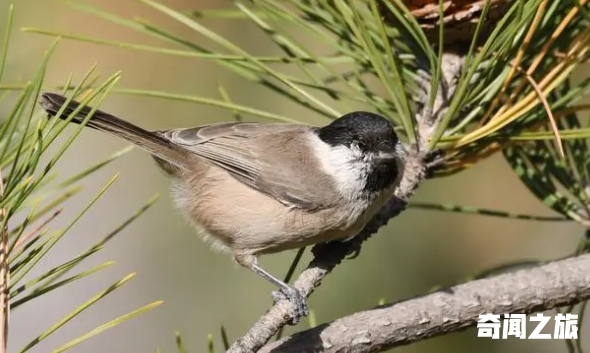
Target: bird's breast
pixel 238 218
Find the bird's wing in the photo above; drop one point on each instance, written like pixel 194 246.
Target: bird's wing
pixel 253 153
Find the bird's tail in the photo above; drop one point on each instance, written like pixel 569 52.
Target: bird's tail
pixel 156 144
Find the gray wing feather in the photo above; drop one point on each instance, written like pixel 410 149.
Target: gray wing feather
pixel 246 151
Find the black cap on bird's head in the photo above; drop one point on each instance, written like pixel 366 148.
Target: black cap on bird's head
pixel 368 131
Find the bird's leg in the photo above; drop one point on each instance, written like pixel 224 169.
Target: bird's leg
pixel 285 291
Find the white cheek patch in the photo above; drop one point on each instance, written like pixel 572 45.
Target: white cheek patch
pixel 347 166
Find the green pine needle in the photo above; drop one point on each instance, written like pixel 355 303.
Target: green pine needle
pixel 107 326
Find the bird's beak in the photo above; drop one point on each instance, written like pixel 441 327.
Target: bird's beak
pixel 387 157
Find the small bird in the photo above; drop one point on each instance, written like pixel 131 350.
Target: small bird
pixel 259 188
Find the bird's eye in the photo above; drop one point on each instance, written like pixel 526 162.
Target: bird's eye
pixel 362 144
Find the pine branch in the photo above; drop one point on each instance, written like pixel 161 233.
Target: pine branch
pixel 556 284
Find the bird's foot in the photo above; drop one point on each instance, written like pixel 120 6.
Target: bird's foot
pixel 296 298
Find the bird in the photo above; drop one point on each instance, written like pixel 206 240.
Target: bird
pixel 257 188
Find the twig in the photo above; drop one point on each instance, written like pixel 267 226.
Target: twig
pixel 532 290
pixel 328 256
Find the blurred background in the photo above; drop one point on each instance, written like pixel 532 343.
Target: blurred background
pixel 201 289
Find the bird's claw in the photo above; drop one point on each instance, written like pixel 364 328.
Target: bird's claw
pixel 351 248
pixel 354 251
pixel 296 298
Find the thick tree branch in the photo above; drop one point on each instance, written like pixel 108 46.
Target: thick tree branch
pixel 537 289
pixel 328 256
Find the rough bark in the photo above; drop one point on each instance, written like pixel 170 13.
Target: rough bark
pixel 536 289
